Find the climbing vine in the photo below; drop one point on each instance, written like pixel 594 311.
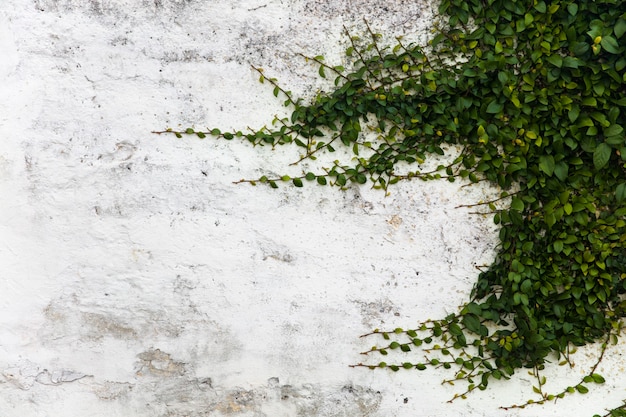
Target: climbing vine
pixel 533 93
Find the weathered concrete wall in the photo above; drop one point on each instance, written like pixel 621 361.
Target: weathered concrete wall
pixel 138 280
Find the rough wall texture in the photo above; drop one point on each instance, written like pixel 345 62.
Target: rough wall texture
pixel 137 280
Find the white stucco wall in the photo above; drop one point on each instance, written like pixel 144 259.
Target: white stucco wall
pixel 138 280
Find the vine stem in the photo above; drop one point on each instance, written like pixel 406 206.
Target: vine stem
pixel 325 65
pixel 548 397
pixel 487 202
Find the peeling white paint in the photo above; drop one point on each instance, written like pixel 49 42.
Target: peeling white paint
pixel 138 280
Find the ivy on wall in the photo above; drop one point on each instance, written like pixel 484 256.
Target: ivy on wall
pixel 534 94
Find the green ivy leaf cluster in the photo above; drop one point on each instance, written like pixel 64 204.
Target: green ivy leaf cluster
pixel 534 93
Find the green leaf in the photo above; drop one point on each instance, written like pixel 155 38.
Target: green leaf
pixel 613 130
pixel 570 62
pixel 573 113
pixel 595 27
pixel 550 219
pixel 472 323
pixel 620 27
pixel 556 60
pixel 546 164
pixel 601 155
pixel 567 208
pixel 588 144
pixel 620 192
pixel 498 47
pixel 598 379
pixel 572 8
pixel 558 246
pixel 494 107
pixel 589 101
pixel 610 44
pixel 474 308
pixel 616 141
pixel 297 182
pixel 540 6
pixel 455 329
pixel 582 389
pixel 561 170
pixel 360 178
pixel 517 204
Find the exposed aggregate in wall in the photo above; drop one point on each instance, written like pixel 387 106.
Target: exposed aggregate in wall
pixel 138 280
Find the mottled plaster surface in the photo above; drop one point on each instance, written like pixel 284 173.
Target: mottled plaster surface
pixel 138 280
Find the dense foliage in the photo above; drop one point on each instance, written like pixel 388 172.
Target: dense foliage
pixel 534 93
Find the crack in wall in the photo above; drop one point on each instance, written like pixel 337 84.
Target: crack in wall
pixel 25 375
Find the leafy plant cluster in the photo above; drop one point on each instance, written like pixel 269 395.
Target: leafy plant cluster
pixel 533 92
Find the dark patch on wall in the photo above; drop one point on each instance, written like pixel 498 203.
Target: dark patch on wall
pixel 109 7
pixel 182 396
pixel 158 363
pixel 397 13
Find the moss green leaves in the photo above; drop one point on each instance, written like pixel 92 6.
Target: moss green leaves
pixel 533 93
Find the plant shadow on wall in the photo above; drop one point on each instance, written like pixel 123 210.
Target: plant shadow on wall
pixel 534 93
